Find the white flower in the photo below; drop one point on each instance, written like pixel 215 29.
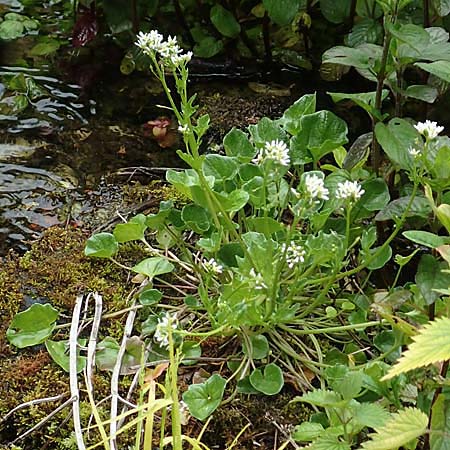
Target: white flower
pixel 275 150
pixel 414 152
pixel 183 128
pixel 162 329
pixel 428 129
pixel 258 279
pixel 170 48
pixel 349 190
pixel 212 266
pixel 178 60
pixel 295 254
pixel 315 187
pixel 150 42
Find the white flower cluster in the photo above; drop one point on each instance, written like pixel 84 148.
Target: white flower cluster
pixel 258 279
pixel 212 266
pixel 428 129
pixel 414 152
pixel 315 187
pixel 162 329
pixel 171 54
pixel 275 150
pixel 295 254
pixel 349 190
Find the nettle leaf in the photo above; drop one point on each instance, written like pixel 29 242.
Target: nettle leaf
pixel 430 276
pixel 291 119
pixel 440 424
pixel 32 326
pixel 371 415
pixel 220 167
pixel 400 429
pixel 101 245
pixel 204 398
pixel 393 211
pixel 196 217
pixel 329 442
pixel 151 267
pixel 335 12
pixel 59 351
pixel 224 21
pixel 426 238
pixel 350 385
pixel 307 431
pixel 259 347
pixel 321 397
pixel 282 12
pixel 430 345
pixel 395 139
pixel 269 381
pixel 237 144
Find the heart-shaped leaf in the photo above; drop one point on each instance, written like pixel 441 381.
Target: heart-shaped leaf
pixel 268 381
pixel 151 267
pixel 204 398
pixel 59 351
pixel 101 245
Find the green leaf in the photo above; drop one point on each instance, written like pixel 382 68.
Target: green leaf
pixel 237 144
pixel 376 195
pixel 220 167
pixel 101 245
pixel 190 349
pixel 45 47
pixel 395 209
pixel 443 214
pixel 307 431
pixel 150 297
pixel 208 47
pixel 282 12
pixel 151 267
pixel 204 398
pixel 196 218
pixel 321 397
pixel 32 326
pixel 269 381
pixel 442 9
pixel 430 276
pixel 371 415
pixel 59 351
pixel 131 231
pixel 381 259
pixel 426 238
pixel 347 56
pixel 233 201
pixel 291 119
pixel 400 429
pixel 11 29
pixel 395 139
pixel 329 443
pixel 440 424
pixel 322 132
pixel 430 345
pixel 441 69
pixel 366 30
pixel 422 92
pixel 266 130
pixel 224 21
pixel 108 349
pixel 365 100
pixel 260 347
pixel 335 12
pixel 265 225
pixel 350 385
pixel 229 253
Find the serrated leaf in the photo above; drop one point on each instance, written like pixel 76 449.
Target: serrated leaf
pixel 440 424
pixel 430 345
pixel 400 429
pixel 370 415
pixel 307 431
pixel 328 443
pixel 320 397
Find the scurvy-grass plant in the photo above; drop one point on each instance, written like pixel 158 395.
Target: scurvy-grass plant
pixel 268 245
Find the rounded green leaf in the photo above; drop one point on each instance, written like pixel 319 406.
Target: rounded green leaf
pixel 208 47
pixel 151 267
pixel 101 245
pixel 125 232
pixel 59 351
pixel 381 259
pixel 32 326
pixel 224 21
pixel 220 167
pixel 376 194
pixel 196 217
pixel 204 398
pixel 11 29
pixel 335 11
pixel 259 347
pixel 236 143
pixel 268 381
pixel 150 297
pixel 282 12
